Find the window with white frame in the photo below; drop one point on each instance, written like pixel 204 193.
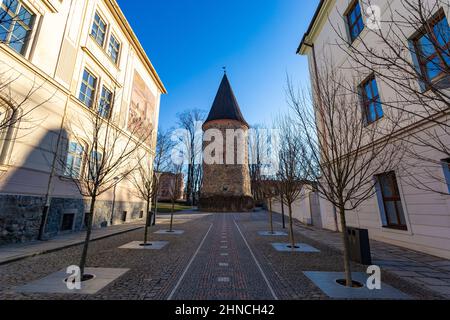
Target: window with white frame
pixel 114 49
pixel 74 160
pixel 98 31
pixel 87 89
pixel 16 25
pixel 105 103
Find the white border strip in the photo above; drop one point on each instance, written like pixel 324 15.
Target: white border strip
pixel 189 264
pixel 257 263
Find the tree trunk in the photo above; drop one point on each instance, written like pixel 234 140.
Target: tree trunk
pixel 171 216
pixel 147 220
pixel 88 237
pixel 347 268
pixel 291 227
pixel 155 211
pixel 282 213
pixel 270 215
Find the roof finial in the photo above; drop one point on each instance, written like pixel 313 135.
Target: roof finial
pixel 224 69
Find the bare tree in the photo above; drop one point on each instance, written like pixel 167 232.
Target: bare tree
pixel 292 171
pixel 255 162
pixel 175 191
pixel 145 182
pixel 191 122
pixel 162 163
pixel 409 51
pixel 164 148
pixel 269 190
pixel 342 154
pixel 109 154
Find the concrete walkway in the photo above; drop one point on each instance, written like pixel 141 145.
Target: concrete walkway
pixel 430 272
pixel 14 252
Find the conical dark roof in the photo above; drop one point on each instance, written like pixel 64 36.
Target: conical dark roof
pixel 225 105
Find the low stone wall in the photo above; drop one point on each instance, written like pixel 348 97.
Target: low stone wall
pixel 20 216
pixel 226 204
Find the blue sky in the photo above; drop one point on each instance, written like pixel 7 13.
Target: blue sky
pixel 189 41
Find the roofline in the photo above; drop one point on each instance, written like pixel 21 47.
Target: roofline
pixel 311 24
pixel 123 22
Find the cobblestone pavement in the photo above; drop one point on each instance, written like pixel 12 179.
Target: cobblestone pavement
pixel 152 273
pixel 220 256
pixel 423 271
pixel 14 252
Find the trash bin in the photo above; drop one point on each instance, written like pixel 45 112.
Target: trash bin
pixel 359 245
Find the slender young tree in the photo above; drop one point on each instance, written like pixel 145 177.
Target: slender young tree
pixel 408 49
pixel 255 141
pixel 269 191
pixel 109 156
pixel 145 182
pixel 162 163
pixel 342 154
pixel 292 171
pixel 191 121
pixel 175 191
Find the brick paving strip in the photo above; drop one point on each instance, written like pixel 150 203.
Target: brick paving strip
pixel 15 252
pixel 217 273
pixel 419 269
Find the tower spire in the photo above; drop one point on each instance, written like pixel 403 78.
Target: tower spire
pixel 225 106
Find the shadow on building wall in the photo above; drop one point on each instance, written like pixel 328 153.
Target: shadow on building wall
pixel 23 192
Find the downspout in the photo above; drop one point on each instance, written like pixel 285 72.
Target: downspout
pixel 53 169
pixel 319 101
pixel 52 174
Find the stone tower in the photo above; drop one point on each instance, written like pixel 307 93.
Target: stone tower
pixel 226 178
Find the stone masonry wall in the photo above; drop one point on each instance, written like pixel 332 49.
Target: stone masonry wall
pixel 227 179
pixel 226 187
pixel 20 216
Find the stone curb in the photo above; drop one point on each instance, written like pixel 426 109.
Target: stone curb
pixel 38 253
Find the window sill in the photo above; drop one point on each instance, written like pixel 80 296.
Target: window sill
pixel 399 228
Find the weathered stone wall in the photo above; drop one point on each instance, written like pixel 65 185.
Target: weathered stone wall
pixel 20 216
pixel 226 187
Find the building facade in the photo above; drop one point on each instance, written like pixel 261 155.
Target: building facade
pixel 226 177
pixel 69 60
pixel 399 212
pixel 171 186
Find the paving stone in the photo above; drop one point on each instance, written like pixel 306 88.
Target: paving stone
pixel 445 290
pixel 432 281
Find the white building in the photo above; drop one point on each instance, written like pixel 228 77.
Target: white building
pixel 408 217
pixel 75 53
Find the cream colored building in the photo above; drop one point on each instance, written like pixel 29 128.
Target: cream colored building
pixel 421 219
pixel 75 54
